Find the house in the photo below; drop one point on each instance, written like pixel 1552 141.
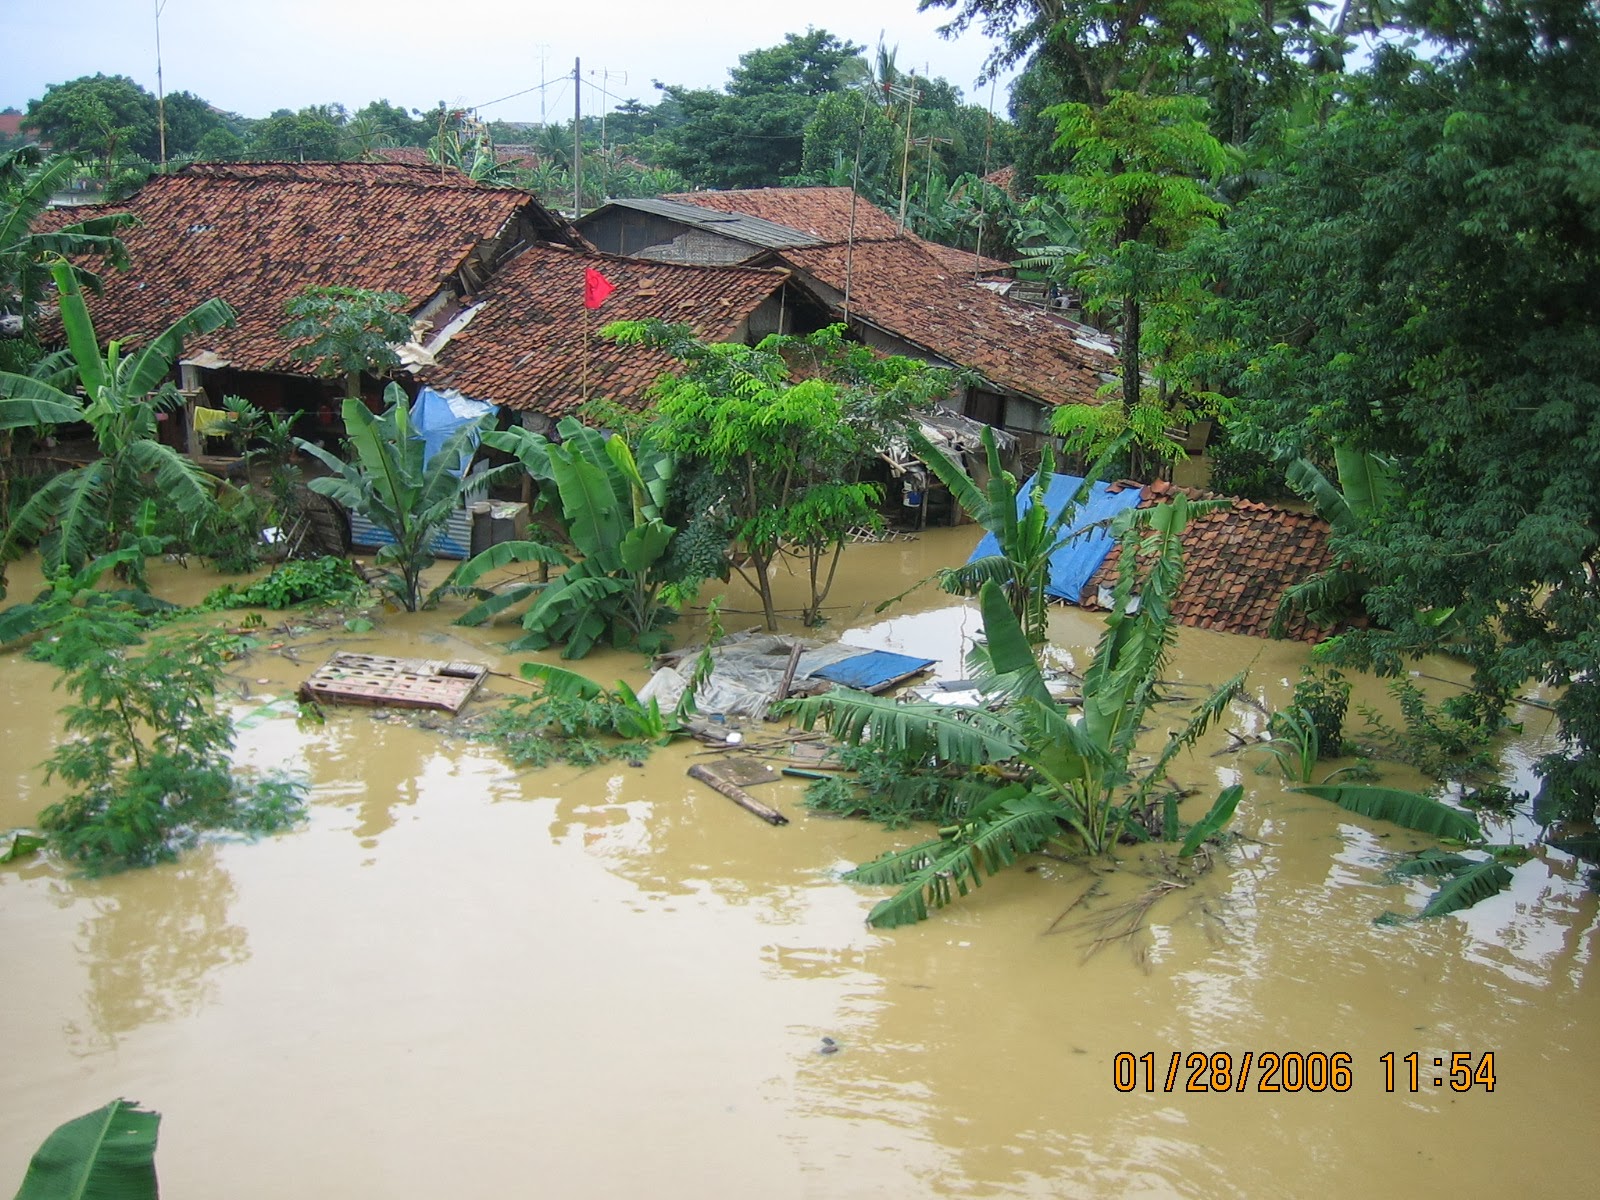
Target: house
pixel 256 234
pixel 530 345
pixel 1237 563
pixel 896 292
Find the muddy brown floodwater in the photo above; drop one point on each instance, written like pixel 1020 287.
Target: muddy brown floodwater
pixel 458 979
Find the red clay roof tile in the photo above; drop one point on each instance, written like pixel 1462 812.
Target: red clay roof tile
pixel 1238 562
pixel 525 349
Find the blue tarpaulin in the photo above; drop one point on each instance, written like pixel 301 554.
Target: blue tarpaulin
pixel 1076 560
pixel 872 670
pixel 437 415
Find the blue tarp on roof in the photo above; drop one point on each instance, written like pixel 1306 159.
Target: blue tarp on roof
pixel 872 669
pixel 436 415
pixel 1074 562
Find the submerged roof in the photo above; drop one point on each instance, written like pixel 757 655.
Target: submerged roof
pixel 757 231
pixel 525 347
pixel 1238 562
pixel 256 234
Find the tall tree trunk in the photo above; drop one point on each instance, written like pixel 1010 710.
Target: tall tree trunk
pixel 1131 316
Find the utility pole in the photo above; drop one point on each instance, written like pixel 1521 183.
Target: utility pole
pixel 577 139
pixel 161 95
pixel 911 96
pixel 542 48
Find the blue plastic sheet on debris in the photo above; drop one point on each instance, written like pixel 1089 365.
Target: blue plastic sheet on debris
pixel 1077 559
pixel 436 415
pixel 872 669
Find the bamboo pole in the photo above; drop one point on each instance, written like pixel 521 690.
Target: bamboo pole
pixel 737 794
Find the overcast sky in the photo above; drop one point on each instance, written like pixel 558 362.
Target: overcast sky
pixel 253 56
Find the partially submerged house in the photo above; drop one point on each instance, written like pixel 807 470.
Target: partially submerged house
pixel 1238 560
pixel 529 345
pixel 894 290
pixel 256 234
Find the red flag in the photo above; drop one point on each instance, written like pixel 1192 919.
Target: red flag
pixel 596 287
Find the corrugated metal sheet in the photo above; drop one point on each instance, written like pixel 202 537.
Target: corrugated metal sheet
pixel 452 541
pixel 757 231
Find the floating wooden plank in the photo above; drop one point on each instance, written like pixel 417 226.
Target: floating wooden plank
pixel 737 794
pixel 350 678
pixel 746 772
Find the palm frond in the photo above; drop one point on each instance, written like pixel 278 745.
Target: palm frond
pixel 952 735
pixel 1410 809
pixel 1432 863
pixel 1466 888
pixel 933 874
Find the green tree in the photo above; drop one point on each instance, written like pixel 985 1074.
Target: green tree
pixel 189 119
pixel 752 134
pixel 309 135
pixel 1027 772
pixel 1421 286
pixel 391 483
pixel 786 453
pixel 103 115
pixel 346 331
pixel 612 499
pixel 27 181
pixel 150 757
pixel 87 510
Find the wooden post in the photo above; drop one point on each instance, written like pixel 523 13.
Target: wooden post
pixel 737 794
pixel 788 671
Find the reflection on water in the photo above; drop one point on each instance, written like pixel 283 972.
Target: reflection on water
pixel 458 976
pixel 151 943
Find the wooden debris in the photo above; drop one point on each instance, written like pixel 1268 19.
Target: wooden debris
pixel 349 678
pixel 788 671
pixel 746 772
pixel 737 794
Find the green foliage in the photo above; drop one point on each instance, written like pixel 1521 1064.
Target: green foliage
pixel 1444 741
pixel 28 180
pixel 21 845
pixel 786 453
pixel 1024 531
pixel 1030 771
pixel 1420 286
pixel 128 609
pixel 1295 744
pixel 107 1154
pixel 391 483
pixel 611 512
pixel 148 762
pixel 319 581
pixel 1409 809
pixel 88 510
pixel 574 720
pixel 346 331
pixel 1215 820
pixel 1324 696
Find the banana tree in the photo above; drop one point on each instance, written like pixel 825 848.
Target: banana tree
pixel 1365 484
pixel 88 510
pixel 1025 532
pixel 611 513
pixel 1050 775
pixel 391 481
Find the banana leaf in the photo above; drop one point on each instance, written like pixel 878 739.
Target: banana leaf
pixel 107 1154
pixel 1410 809
pixel 1213 822
pixel 1466 888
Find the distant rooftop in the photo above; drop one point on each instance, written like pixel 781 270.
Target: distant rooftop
pixel 757 231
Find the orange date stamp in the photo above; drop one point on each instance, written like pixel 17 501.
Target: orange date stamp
pixel 1294 1071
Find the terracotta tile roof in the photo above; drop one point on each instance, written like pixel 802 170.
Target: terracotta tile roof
pixel 255 234
pixel 524 348
pixel 1005 179
pixel 899 287
pixel 1237 564
pixel 960 263
pixel 823 212
pixel 923 293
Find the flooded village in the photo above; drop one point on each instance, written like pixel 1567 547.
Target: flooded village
pixel 726 684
